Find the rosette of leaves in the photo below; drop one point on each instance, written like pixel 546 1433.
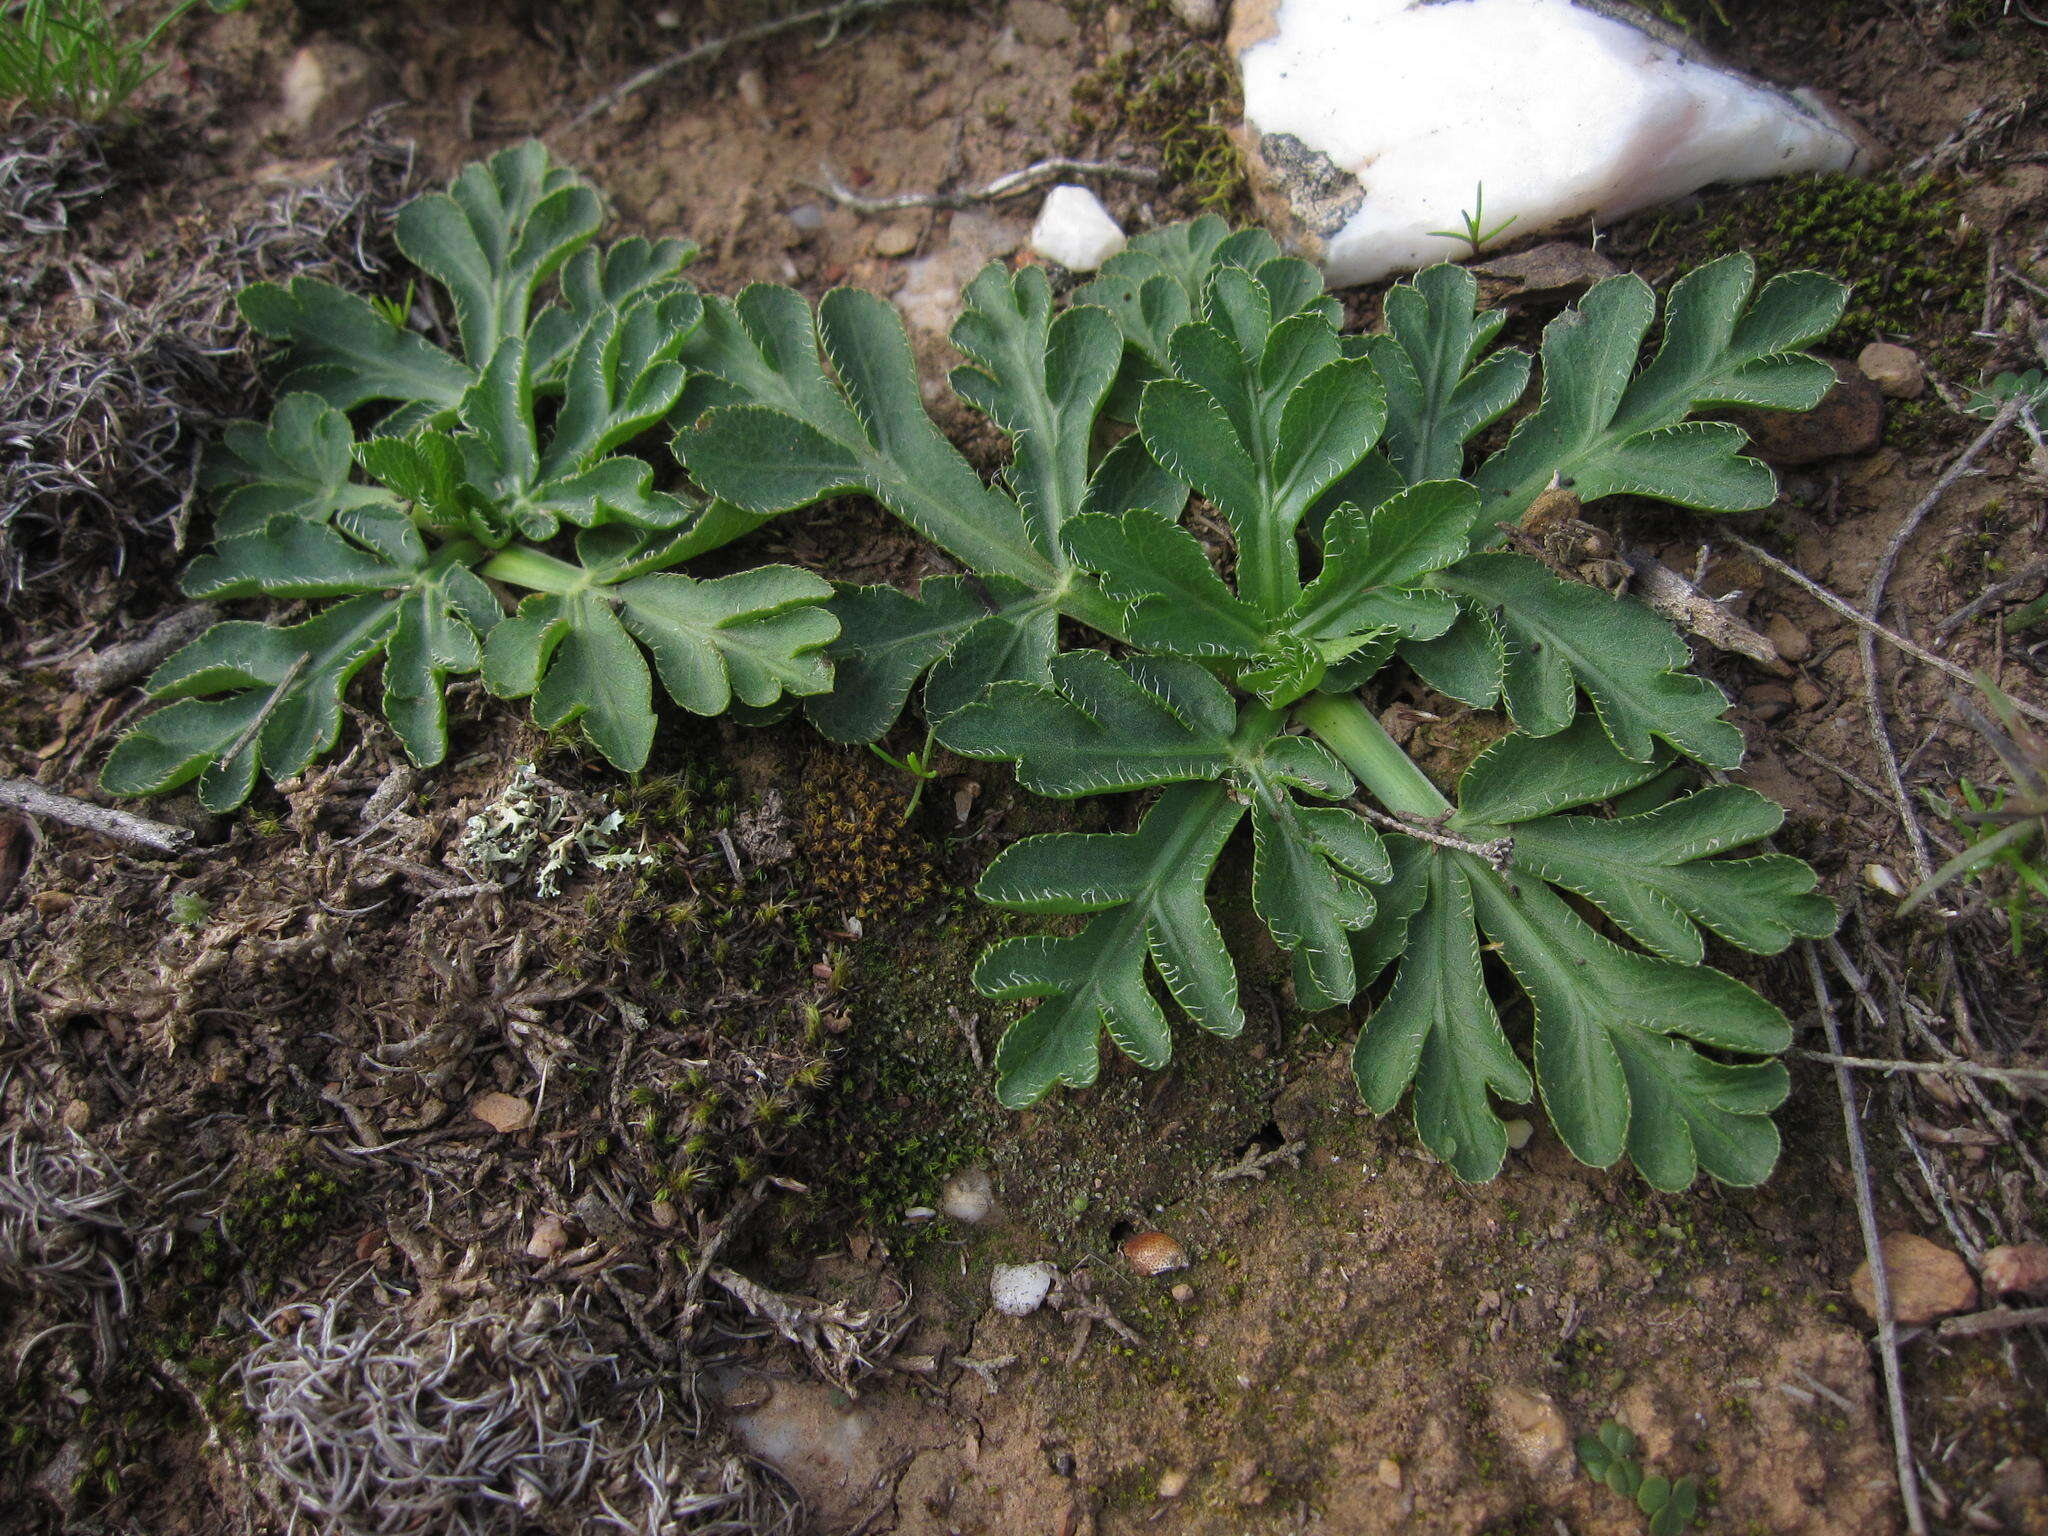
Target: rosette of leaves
pixel 1205 372
pixel 502 465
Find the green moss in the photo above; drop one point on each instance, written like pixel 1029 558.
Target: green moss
pixel 1177 94
pixel 1912 263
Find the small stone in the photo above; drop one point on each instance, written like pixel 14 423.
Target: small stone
pixel 1154 1253
pixel 1894 369
pixel 892 240
pixel 807 218
pixel 1172 1483
pixel 1808 694
pixel 550 1237
pixel 1200 17
pixel 77 1117
pixel 1531 1426
pixel 1018 1290
pixel 665 1214
pixel 1519 1131
pixel 1927 1280
pixel 1848 420
pixel 1793 643
pixel 1183 1293
pixel 2016 1269
pixel 1075 230
pixel 1040 23
pixel 329 86
pixel 968 1196
pixel 502 1112
pixel 1768 701
pixel 751 86
pixel 1388 1473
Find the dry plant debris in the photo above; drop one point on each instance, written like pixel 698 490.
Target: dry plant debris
pixel 121 364
pixel 483 1423
pixel 467 1427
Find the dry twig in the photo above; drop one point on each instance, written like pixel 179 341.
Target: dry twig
pixel 121 826
pixel 833 16
pixel 1009 185
pixel 1868 625
pixel 1996 1320
pixel 1932 1068
pixel 1866 1216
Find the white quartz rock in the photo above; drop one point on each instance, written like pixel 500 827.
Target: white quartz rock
pixel 1018 1290
pixel 1075 230
pixel 1378 119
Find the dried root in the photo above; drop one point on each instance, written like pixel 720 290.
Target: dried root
pixel 47 167
pixel 842 1342
pixel 59 1222
pixel 66 1228
pixel 480 1425
pixel 468 1427
pixel 117 368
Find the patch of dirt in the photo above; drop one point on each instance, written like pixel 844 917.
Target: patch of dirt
pixel 737 1057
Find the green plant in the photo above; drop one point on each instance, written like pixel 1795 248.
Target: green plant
pixel 2031 387
pixel 1610 1458
pixel 2006 829
pixel 1473 230
pixel 1339 465
pixel 481 459
pixel 74 59
pixel 1914 259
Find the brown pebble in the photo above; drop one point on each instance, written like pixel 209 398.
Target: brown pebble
pixel 1768 701
pixel 1849 420
pixel 1792 642
pixel 1808 694
pixel 502 1112
pixel 898 239
pixel 1895 370
pixel 1183 1293
pixel 1389 1473
pixel 1927 1280
pixel 1172 1483
pixel 1154 1253
pixel 2016 1269
pixel 77 1116
pixel 550 1237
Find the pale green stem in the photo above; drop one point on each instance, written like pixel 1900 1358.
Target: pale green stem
pixel 1348 729
pixel 1268 569
pixel 524 566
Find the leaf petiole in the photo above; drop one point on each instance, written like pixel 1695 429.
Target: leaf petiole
pixel 524 566
pixel 1362 744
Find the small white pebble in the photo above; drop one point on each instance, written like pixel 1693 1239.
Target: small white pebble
pixel 1519 1132
pixel 1018 1290
pixel 968 1196
pixel 1172 1483
pixel 1075 230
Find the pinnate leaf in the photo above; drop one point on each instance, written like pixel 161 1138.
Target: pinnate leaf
pixel 1101 725
pixel 1147 891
